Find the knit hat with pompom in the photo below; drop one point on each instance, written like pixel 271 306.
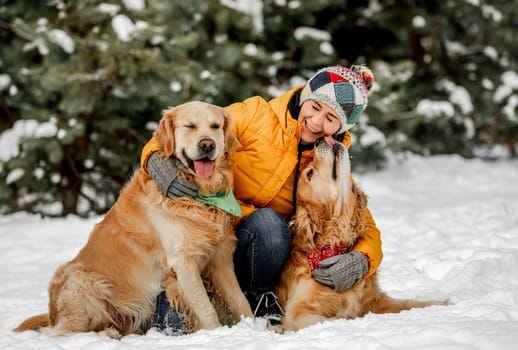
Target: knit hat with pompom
pixel 345 90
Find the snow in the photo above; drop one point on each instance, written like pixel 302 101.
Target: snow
pixel 62 39
pixel 419 22
pixel 123 27
pixel 135 5
pixel 433 109
pixel 510 84
pixel 5 81
pixel 14 175
pixel 250 50
pixel 253 8
pixel 458 96
pixel 316 34
pixel 371 136
pixel 510 108
pixel 111 9
pixel 326 48
pixel 11 138
pixel 492 13
pixel 449 228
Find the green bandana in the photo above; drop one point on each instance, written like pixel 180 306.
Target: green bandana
pixel 224 201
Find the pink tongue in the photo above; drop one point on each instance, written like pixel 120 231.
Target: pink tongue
pixel 203 168
pixel 330 141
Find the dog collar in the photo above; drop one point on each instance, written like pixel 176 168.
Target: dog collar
pixel 225 201
pixel 324 252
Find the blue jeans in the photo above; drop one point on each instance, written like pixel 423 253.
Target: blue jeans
pixel 263 245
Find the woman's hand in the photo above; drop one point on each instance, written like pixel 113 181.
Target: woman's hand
pixel 164 172
pixel 342 271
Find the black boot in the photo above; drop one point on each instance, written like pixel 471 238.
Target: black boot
pixel 266 305
pixel 166 319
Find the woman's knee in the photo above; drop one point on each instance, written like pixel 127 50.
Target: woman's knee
pixel 271 232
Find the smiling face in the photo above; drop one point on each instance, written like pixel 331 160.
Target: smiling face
pixel 317 120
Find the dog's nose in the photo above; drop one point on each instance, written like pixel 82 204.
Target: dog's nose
pixel 207 145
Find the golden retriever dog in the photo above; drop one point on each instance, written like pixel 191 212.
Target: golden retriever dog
pixel 330 214
pixel 148 242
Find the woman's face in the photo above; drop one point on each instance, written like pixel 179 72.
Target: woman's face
pixel 317 120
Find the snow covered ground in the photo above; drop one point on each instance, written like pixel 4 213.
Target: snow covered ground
pixel 449 228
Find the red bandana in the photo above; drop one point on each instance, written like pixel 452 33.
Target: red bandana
pixel 324 252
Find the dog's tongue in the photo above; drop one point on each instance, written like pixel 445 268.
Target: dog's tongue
pixel 330 141
pixel 204 168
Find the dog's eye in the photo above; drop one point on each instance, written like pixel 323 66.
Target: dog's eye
pixel 309 174
pixel 215 126
pixel 189 126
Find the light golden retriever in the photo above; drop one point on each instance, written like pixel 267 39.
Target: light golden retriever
pixel 148 242
pixel 330 214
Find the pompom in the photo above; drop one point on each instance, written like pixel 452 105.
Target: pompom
pixel 366 74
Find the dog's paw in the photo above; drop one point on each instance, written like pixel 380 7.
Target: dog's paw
pixel 277 328
pixel 112 333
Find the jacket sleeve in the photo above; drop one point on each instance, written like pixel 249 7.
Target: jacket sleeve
pixel 149 148
pixel 243 114
pixel 370 245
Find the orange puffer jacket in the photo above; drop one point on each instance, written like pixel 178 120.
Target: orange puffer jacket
pixel 264 170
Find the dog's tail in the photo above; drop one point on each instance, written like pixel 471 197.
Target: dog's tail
pixel 33 323
pixel 385 304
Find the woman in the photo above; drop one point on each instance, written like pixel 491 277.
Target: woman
pixel 277 138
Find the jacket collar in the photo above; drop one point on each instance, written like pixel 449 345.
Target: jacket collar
pixel 294 105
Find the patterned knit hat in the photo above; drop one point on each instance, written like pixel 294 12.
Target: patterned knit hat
pixel 344 90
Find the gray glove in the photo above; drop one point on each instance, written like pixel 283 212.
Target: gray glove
pixel 342 271
pixel 163 171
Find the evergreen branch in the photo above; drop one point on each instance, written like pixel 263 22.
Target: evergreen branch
pixel 6 26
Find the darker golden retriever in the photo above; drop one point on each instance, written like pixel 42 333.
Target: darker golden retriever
pixel 330 213
pixel 148 242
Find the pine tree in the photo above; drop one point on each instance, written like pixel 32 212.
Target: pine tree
pixel 441 76
pixel 83 83
pixel 87 84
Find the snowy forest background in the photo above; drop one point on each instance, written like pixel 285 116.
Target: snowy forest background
pixel 83 83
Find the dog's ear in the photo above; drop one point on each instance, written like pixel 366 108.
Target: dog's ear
pixel 231 142
pixel 304 230
pixel 164 135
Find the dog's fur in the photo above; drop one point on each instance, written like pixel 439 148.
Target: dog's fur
pixel 148 242
pixel 330 209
